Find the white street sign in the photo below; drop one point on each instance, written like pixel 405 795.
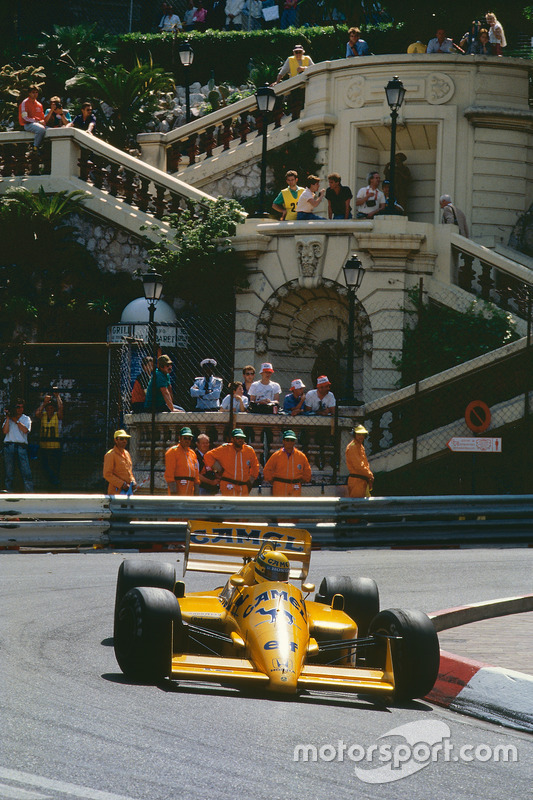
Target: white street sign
pixel 474 444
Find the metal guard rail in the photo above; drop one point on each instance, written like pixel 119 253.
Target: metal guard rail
pixel 99 520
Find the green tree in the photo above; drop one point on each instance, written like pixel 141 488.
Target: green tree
pixel 437 337
pixel 130 98
pixel 199 263
pixel 14 83
pixel 48 280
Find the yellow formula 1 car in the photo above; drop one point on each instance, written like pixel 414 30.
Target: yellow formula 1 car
pixel 260 628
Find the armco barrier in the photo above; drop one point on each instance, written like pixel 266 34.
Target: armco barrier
pixel 85 520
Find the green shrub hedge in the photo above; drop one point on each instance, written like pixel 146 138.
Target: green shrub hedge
pixel 228 53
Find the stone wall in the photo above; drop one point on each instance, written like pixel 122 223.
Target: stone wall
pixel 115 249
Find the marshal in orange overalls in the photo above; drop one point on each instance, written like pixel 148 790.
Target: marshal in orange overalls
pixel 240 466
pixel 286 472
pixel 361 476
pixel 181 467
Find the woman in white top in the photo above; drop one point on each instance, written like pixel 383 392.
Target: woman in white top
pixel 240 401
pixel 496 34
pixel 169 20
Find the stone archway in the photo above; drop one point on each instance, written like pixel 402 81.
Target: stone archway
pixel 298 330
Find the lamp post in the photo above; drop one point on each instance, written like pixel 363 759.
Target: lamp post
pixel 266 100
pixel 395 92
pixel 354 273
pixel 153 287
pixel 186 58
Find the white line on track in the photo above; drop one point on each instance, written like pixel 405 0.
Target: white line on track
pixel 46 784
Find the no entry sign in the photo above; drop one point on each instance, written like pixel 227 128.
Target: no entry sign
pixel 477 416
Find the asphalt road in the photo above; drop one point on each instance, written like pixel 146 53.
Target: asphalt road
pixel 72 727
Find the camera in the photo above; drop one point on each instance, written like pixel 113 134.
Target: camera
pixel 55 389
pixel 371 203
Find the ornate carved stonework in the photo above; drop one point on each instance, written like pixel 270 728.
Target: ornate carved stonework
pixel 355 93
pixel 310 252
pixel 439 88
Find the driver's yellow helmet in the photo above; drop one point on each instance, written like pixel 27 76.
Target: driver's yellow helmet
pixel 272 566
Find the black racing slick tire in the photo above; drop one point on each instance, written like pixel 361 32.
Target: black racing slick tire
pixel 137 572
pixel 144 625
pixel 361 598
pixel 415 656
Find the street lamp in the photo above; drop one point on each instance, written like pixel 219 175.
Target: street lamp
pixel 395 92
pixel 266 100
pixel 153 288
pixel 186 58
pixel 354 273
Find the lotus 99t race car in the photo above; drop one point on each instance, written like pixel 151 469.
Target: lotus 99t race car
pixel 260 628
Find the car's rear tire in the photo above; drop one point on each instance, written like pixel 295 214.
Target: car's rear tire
pixel 361 598
pixel 415 657
pixel 144 624
pixel 136 572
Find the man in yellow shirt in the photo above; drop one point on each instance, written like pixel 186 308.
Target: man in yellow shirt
pixel 287 469
pixel 287 200
pixel 118 470
pixel 50 413
pixel 361 477
pixel 181 466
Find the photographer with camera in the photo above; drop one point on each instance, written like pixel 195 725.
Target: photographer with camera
pixel 370 200
pixel 56 116
pixel 16 427
pixel 50 413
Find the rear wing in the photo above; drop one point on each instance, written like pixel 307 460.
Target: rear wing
pixel 224 547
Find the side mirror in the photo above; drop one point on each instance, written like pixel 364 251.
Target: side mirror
pixel 308 587
pixel 237 580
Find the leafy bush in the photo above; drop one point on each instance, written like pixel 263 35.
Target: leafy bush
pixel 14 85
pixel 437 337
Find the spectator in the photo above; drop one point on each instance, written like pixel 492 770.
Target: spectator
pixel 264 394
pixel 118 470
pixel 15 428
pixel 361 477
pixel 234 15
pixel 240 401
pixel 56 116
pixel 482 45
pixel 355 45
pixel 181 466
pixel 338 198
pixel 287 469
pixel 402 178
pixel 289 13
pixel 169 20
pixel 310 199
pixel 386 189
pixel 31 117
pixel 320 400
pixel 451 215
pixel 496 34
pixel 236 465
pixel 86 120
pixel 440 44
pixel 188 17
pixel 287 199
pixel 470 37
pixel 138 391
pixel 200 16
pixel 248 375
pixel 252 14
pixel 217 16
pixel 209 482
pixel 295 64
pixel 370 200
pixel 417 47
pixel 163 398
pixel 50 413
pixel 294 401
pixel 207 388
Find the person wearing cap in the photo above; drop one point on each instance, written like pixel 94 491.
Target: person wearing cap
pixel 206 389
pixel 118 470
pixel 293 403
pixel 235 463
pixel 385 186
pixel 181 466
pixel 295 64
pixel 361 477
pixel 264 394
pixel 163 400
pixel 320 400
pixel 287 469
